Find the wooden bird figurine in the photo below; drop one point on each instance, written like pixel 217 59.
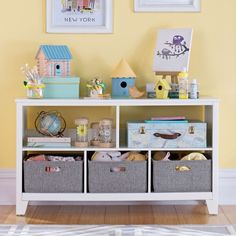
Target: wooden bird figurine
pixel 135 93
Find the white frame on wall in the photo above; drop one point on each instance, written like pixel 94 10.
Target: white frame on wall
pixel 170 6
pixel 107 28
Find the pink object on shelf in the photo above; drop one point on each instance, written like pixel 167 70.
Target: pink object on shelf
pixel 169 118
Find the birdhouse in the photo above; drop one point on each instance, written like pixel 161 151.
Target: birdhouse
pixel 162 88
pixel 53 60
pixel 123 77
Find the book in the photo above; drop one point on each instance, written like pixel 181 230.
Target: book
pixel 49 144
pixel 49 139
pixel 166 121
pixel 169 118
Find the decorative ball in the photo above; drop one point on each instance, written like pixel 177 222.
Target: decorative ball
pixel 50 123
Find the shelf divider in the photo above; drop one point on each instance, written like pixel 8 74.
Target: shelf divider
pixel 117 126
pixel 85 171
pixel 149 170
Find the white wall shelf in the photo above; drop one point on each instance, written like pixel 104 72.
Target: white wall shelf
pixel 75 149
pixel 117 102
pixel 210 110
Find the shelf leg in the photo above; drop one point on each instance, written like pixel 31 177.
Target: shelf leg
pixel 21 207
pixel 212 206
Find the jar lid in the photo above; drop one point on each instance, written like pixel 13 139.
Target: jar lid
pixel 81 121
pixel 95 125
pixel 106 122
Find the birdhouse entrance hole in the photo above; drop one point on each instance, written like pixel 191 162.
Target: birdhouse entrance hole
pixel 57 69
pixel 123 84
pixel 159 87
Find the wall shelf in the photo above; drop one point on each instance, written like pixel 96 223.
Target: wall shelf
pixel 75 149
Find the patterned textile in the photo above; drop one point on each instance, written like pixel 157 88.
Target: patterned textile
pixel 116 230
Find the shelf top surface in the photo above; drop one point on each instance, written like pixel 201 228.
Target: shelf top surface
pixel 25 148
pixel 117 102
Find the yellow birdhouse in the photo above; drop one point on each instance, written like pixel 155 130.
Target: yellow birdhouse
pixel 162 88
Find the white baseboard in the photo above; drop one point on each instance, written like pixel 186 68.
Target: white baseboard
pixel 7 187
pixel 227 189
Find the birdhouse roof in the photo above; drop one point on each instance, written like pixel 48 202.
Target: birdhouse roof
pixel 164 84
pixel 55 52
pixel 123 70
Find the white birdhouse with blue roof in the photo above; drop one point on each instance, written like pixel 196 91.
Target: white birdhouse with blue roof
pixel 53 60
pixel 123 77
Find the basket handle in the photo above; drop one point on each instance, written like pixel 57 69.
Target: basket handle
pixel 167 136
pixel 182 168
pixel 118 169
pixel 50 169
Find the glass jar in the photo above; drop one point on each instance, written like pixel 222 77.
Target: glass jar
pixel 94 134
pixel 81 132
pixel 105 133
pixel 183 84
pixel 35 90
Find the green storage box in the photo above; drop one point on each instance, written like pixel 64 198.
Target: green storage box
pixel 61 87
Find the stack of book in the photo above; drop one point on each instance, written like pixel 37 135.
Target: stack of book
pixel 168 119
pixel 47 142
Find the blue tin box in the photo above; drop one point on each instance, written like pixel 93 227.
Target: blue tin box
pixel 167 135
pixel 120 87
pixel 61 87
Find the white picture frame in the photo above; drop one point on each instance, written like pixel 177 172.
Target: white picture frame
pixel 167 5
pixel 73 19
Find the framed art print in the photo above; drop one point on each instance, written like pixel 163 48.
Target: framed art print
pixel 79 16
pixel 173 48
pixel 167 5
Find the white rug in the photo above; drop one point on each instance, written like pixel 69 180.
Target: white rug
pixel 116 230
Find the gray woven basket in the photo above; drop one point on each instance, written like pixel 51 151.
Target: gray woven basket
pixel 68 179
pixel 168 178
pixel 117 177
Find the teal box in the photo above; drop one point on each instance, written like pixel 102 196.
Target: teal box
pixel 61 87
pixel 167 135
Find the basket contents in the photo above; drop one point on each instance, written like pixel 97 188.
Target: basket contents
pixel 167 156
pixel 43 157
pixel 118 156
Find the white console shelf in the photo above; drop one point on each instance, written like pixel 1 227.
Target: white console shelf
pixel 210 108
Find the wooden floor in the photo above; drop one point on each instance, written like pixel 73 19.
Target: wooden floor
pixel 160 214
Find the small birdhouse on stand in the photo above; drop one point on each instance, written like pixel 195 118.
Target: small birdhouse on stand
pixel 173 87
pixel 162 89
pixel 123 78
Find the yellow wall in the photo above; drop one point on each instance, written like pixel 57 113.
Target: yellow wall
pixel 213 58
